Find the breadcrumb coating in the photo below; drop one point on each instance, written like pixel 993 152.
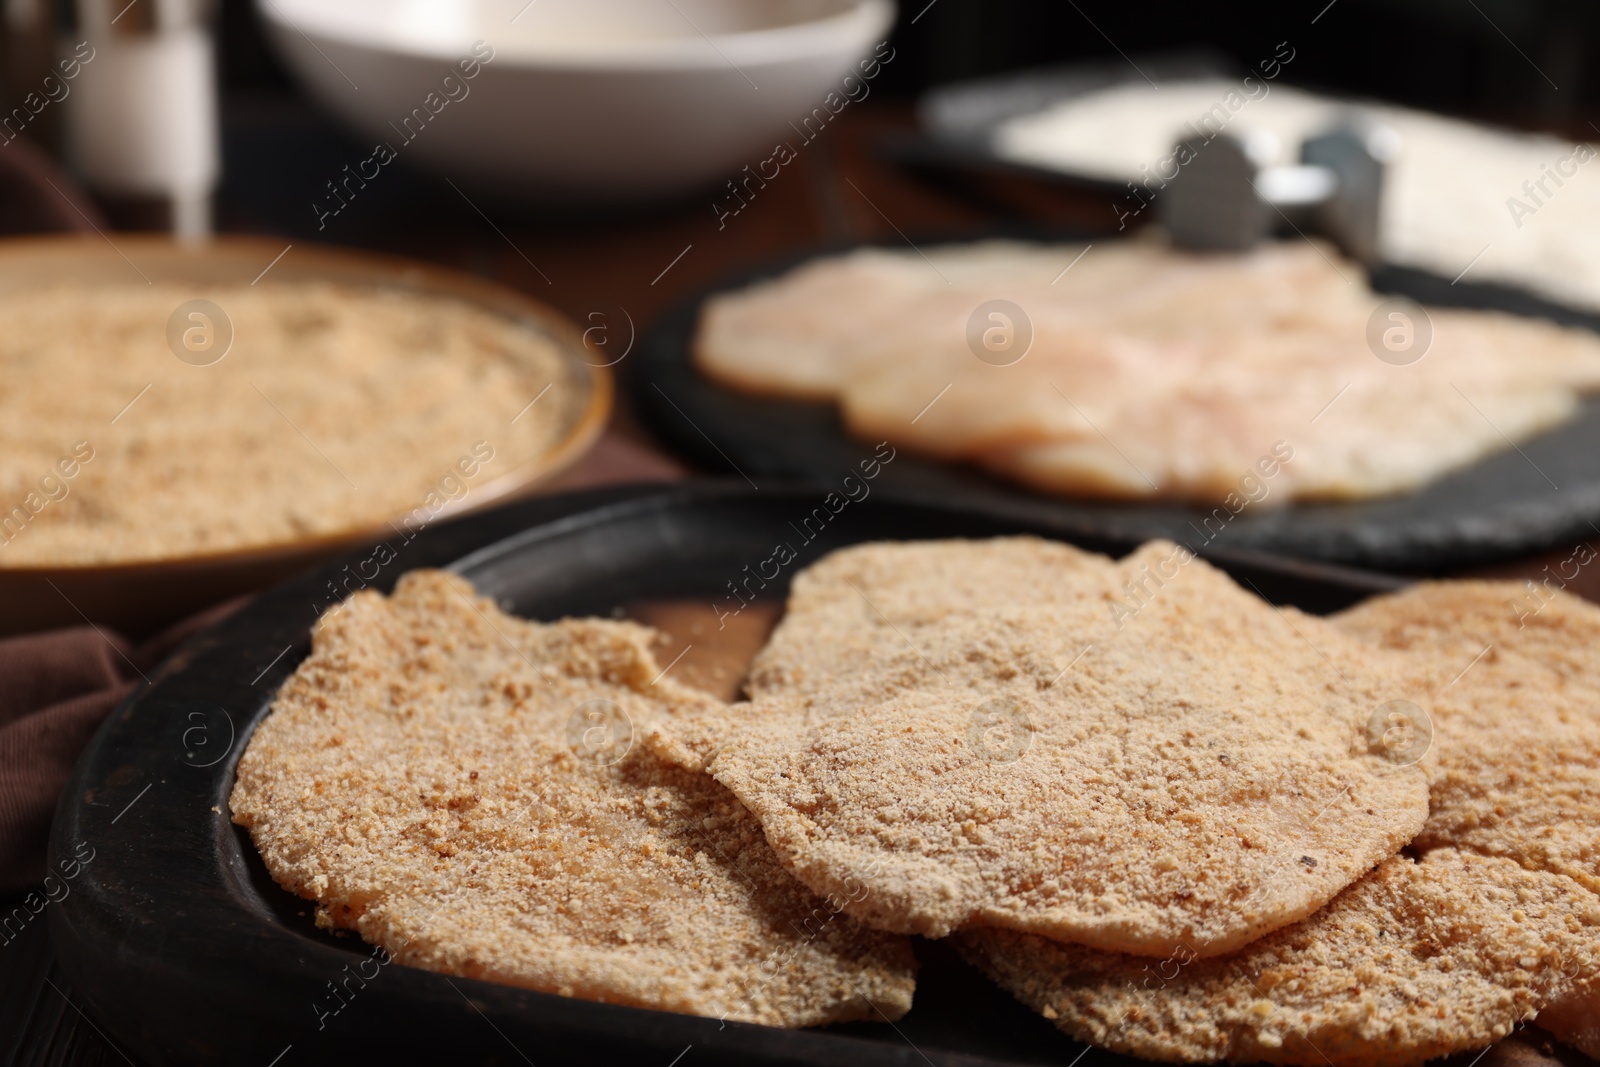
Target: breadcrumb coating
pixel 1497 923
pixel 462 788
pixel 1011 733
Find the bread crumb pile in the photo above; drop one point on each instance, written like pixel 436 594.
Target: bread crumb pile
pixel 337 409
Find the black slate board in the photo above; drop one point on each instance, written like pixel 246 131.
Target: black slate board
pixel 1543 494
pixel 185 951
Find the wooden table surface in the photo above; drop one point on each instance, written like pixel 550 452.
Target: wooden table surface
pixel 840 189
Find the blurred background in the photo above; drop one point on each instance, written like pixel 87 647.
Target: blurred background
pixel 616 158
pixel 1523 63
pixel 1444 55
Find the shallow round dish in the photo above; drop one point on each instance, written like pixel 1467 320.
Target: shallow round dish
pixel 179 944
pixel 597 101
pixel 137 598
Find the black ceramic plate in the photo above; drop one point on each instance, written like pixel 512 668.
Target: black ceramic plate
pixel 185 949
pixel 1542 494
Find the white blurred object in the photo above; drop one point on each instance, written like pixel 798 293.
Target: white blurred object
pixel 584 100
pixel 142 118
pixel 1460 200
pixel 1296 184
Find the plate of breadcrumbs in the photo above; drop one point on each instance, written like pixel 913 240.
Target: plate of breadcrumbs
pixel 710 775
pixel 182 422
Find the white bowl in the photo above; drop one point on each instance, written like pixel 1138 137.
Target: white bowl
pixel 584 100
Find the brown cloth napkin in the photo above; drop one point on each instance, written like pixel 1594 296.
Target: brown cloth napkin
pixel 37 197
pixel 57 687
